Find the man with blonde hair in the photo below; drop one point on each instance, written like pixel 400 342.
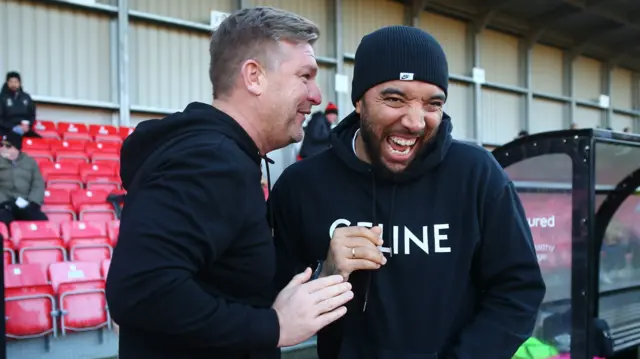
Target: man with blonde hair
pixel 191 276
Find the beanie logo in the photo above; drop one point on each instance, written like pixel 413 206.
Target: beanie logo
pixel 406 76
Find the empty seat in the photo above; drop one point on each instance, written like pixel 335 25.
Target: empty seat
pixel 94 170
pixel 108 138
pixel 113 230
pixel 71 128
pixel 38 242
pixel 87 241
pixel 44 125
pixel 30 306
pixel 54 135
pixel 125 131
pixel 9 255
pixel 39 154
pixel 104 147
pixel 57 215
pixel 101 157
pixel 80 290
pixel 107 184
pixel 104 266
pixel 69 145
pixel 61 175
pixel 71 156
pixel 92 205
pixel 57 205
pixel 30 143
pixel 33 230
pixel 95 130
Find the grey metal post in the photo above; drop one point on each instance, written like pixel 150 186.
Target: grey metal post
pixel 526 49
pixel 568 85
pixel 477 87
pixel 123 62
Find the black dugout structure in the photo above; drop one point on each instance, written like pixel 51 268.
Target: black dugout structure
pixel 580 189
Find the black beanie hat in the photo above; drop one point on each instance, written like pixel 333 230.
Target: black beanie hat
pixel 398 53
pixel 11 137
pixel 13 75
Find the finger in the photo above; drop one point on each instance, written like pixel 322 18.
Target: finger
pixel 330 292
pixel 330 317
pixel 332 303
pixel 320 283
pixel 354 242
pixel 372 235
pixel 299 278
pixel 371 254
pixel 363 264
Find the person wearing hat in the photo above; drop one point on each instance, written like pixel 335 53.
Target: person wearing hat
pixel 21 183
pixel 429 230
pixel 317 134
pixel 17 109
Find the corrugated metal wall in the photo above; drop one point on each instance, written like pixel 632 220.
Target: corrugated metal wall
pixel 61 53
pixel 61 62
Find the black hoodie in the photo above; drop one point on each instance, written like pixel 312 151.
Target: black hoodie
pixel 317 136
pixel 15 107
pixel 190 275
pixel 462 279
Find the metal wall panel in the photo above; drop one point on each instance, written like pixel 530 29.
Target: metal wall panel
pixel 501 116
pixel 622 88
pixel 500 57
pixel 169 67
pixel 547 69
pixel 459 106
pixel 346 98
pixel 136 118
pixel 326 82
pixel 361 17
pixel 321 12
pixel 59 52
pixel 191 10
pixel 547 115
pixel 587 78
pixel 620 121
pixel 108 2
pixel 587 117
pixel 452 35
pixel 74 114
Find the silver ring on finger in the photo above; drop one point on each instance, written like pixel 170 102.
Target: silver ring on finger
pixel 353 253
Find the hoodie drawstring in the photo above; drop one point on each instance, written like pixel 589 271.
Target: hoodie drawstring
pixel 389 230
pixel 268 161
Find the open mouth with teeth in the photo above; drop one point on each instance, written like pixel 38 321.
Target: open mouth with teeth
pixel 400 147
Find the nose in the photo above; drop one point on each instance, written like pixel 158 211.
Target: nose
pixel 314 95
pixel 414 120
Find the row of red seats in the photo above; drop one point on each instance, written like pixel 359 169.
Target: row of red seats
pixel 68 130
pixel 68 175
pixel 86 146
pixel 71 151
pixel 43 300
pixel 62 204
pixel 47 242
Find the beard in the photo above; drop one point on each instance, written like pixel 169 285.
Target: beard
pixel 373 144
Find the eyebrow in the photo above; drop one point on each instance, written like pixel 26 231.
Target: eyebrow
pixel 395 91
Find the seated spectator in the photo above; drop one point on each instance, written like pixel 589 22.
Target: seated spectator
pixel 17 109
pixel 21 183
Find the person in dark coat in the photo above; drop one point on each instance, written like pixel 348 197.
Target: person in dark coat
pixel 317 135
pixel 17 109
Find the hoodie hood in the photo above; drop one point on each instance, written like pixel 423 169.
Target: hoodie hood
pixel 318 129
pixel 196 118
pixel 430 158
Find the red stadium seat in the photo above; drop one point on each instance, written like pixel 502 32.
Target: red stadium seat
pixel 87 241
pixel 69 145
pixel 33 230
pixel 108 138
pixel 71 128
pixel 8 252
pixel 93 170
pixel 104 266
pixel 50 171
pixel 95 130
pixel 80 290
pixel 113 230
pixel 125 131
pixel 70 156
pixel 4 231
pixel 102 157
pixel 57 196
pixel 54 135
pixel 39 154
pixel 103 147
pixel 44 125
pixel 29 143
pixel 57 205
pixel 29 302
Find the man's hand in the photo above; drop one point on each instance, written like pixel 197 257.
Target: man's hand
pixel 304 307
pixel 352 249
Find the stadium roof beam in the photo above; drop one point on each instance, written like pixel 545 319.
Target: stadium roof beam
pixel 622 50
pixel 608 13
pixel 489 9
pixel 413 8
pixel 542 22
pixel 581 44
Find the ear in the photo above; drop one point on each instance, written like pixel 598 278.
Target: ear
pixel 253 78
pixel 358 106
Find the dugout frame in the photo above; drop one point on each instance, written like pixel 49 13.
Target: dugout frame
pixel 596 162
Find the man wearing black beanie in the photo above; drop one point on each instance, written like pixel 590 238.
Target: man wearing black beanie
pixel 429 230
